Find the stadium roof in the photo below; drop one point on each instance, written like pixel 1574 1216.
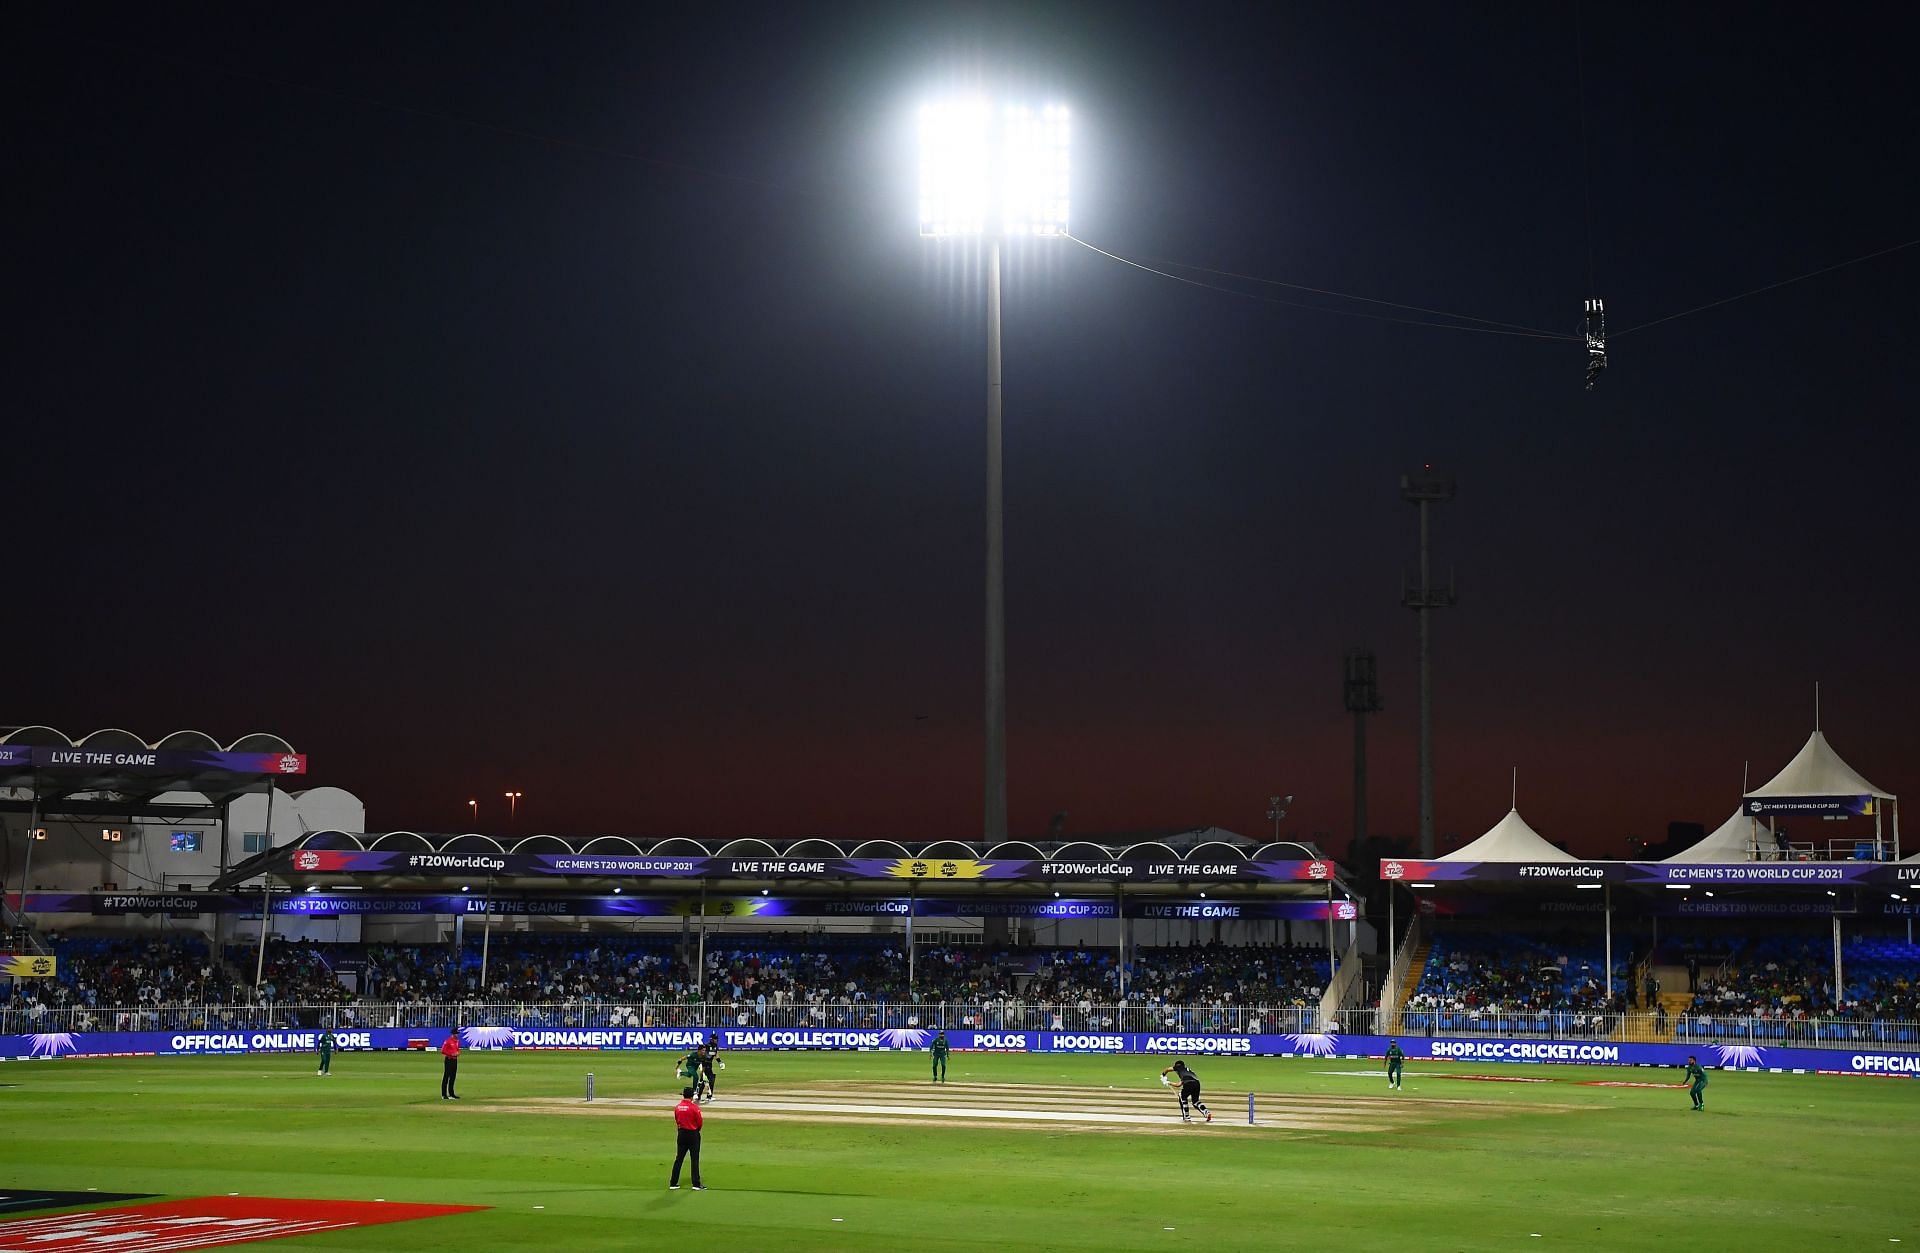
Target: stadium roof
pixel 1510 839
pixel 113 771
pixel 403 859
pixel 1816 770
pixel 1732 840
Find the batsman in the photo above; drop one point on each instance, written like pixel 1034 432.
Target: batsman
pixel 1189 1091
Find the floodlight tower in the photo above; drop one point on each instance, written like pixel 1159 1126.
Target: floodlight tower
pixel 1424 489
pixel 998 173
pixel 1362 692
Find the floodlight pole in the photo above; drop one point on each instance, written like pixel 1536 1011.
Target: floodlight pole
pixel 995 818
pixel 1607 959
pixel 26 865
pixel 700 959
pixel 266 910
pixel 1332 961
pixel 486 938
pixel 1838 986
pixel 1422 490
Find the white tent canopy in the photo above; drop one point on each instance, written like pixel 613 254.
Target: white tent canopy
pixel 1731 841
pixel 1511 839
pixel 1816 770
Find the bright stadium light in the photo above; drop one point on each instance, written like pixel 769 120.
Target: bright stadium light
pixel 1001 173
pixel 994 172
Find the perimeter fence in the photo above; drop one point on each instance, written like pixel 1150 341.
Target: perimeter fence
pixel 1496 1022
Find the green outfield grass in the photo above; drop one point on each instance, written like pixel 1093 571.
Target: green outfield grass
pixel 1776 1162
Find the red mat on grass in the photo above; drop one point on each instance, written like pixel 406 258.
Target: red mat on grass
pixel 205 1222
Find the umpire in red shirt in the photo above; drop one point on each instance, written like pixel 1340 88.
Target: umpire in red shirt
pixel 686 1116
pixel 451 1069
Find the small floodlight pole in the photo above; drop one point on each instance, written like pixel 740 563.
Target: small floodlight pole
pixel 1276 810
pixel 1424 489
pixel 996 175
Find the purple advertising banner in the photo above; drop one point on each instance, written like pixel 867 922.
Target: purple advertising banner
pixel 1328 1045
pixel 154 760
pixel 337 904
pixel 1789 874
pixel 1764 806
pixel 1589 905
pixel 932 870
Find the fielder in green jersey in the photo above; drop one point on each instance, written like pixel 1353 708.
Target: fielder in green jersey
pixel 940 1057
pixel 326 1053
pixel 1696 1084
pixel 1395 1060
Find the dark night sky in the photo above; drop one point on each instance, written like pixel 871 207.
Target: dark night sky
pixel 627 449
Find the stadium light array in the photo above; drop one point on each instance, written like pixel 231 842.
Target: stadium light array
pixel 993 172
pixel 1679 887
pixel 1589 887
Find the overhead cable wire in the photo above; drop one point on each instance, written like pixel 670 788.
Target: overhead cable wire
pixel 1339 295
pixel 1841 265
pixel 1525 333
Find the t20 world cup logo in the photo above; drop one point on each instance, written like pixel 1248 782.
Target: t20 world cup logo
pixel 306 859
pixel 1392 870
pixel 1320 870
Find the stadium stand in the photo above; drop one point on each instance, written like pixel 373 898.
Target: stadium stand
pixel 1511 983
pixel 1772 988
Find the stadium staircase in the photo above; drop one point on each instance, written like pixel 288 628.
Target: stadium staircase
pixel 1674 998
pixel 1416 967
pixel 1646 1027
